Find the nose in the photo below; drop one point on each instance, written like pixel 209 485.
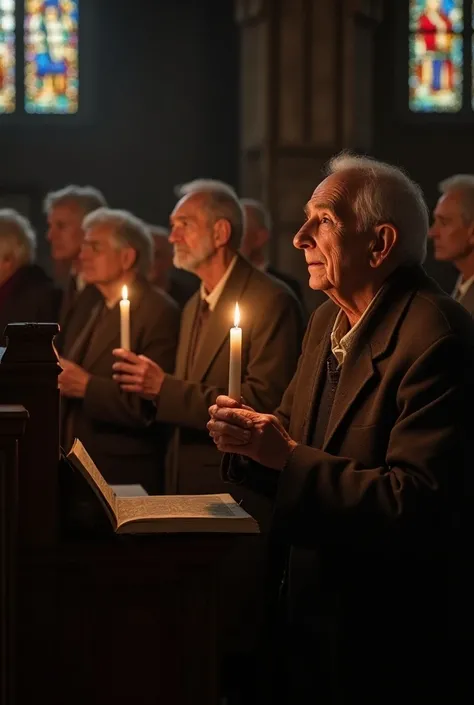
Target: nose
pixel 173 235
pixel 49 235
pixel 302 239
pixel 432 232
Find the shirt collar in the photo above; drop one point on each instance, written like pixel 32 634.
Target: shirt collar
pixel 461 287
pixel 213 297
pixel 342 336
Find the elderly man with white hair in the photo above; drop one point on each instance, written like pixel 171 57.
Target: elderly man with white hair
pixel 452 233
pixel 366 458
pixel 26 292
pixel 117 428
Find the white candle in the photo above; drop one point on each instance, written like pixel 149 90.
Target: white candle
pixel 235 360
pixel 125 320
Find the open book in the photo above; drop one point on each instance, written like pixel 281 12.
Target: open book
pixel 214 513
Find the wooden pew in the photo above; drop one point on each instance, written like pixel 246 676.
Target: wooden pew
pixel 89 618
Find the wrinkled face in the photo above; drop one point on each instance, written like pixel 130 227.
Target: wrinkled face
pixel 255 236
pixel 162 258
pixel 102 261
pixel 192 233
pixel 337 254
pixel 65 232
pixel 453 240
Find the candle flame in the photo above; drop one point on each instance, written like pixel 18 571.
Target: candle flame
pixel 237 316
pixel 125 293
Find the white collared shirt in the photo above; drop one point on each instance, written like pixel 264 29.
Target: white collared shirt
pixel 461 287
pixel 342 336
pixel 212 298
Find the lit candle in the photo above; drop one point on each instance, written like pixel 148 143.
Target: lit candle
pixel 125 320
pixel 235 360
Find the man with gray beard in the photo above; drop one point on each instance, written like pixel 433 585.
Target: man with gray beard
pixel 206 228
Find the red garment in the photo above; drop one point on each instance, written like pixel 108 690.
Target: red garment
pixel 425 25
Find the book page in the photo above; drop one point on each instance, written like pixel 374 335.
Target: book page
pixel 179 507
pixel 84 463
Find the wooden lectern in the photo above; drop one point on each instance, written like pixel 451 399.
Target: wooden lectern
pixel 102 620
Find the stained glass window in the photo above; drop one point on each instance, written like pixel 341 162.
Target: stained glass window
pixel 51 56
pixel 436 56
pixel 7 56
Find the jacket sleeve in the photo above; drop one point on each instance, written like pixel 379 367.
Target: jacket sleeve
pixel 273 353
pixel 105 401
pixel 425 459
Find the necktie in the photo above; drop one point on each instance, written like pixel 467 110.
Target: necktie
pixel 202 317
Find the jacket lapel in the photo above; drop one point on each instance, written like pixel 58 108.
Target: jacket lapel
pixel 379 328
pixel 220 320
pixel 187 323
pixel 317 379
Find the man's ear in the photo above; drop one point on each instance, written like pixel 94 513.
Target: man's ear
pixel 222 232
pixel 128 258
pixel 384 240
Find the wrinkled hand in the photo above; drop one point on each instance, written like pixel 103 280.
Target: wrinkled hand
pixel 137 373
pixel 237 428
pixel 73 380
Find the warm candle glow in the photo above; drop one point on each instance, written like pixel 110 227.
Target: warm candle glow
pixel 235 360
pixel 125 320
pixel 237 316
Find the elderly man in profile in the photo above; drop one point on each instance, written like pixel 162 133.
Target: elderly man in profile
pixel 117 428
pixel 206 228
pixel 452 233
pixel 367 456
pixel 27 294
pixel 65 210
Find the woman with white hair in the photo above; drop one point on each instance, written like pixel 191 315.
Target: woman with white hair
pixel 26 292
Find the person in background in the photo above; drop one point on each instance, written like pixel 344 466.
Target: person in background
pixel 65 210
pixel 368 459
pixel 180 285
pixel 452 233
pixel 27 294
pixel 118 429
pixel 255 242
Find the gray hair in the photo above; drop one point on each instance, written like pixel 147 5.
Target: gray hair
pixel 463 184
pixel 198 185
pixel 129 231
pixel 223 204
pixel 86 198
pixel 388 195
pixel 17 237
pixel 261 213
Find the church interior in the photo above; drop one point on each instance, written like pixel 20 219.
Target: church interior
pixel 134 561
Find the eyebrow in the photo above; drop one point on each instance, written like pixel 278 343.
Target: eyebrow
pixel 320 205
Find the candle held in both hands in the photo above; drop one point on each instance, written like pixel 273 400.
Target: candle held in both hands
pixel 125 320
pixel 235 359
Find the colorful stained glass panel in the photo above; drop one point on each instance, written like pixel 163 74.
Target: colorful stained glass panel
pixel 436 16
pixel 435 72
pixel 51 56
pixel 7 56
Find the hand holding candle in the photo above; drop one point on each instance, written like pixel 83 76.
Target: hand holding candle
pixel 235 360
pixel 125 320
